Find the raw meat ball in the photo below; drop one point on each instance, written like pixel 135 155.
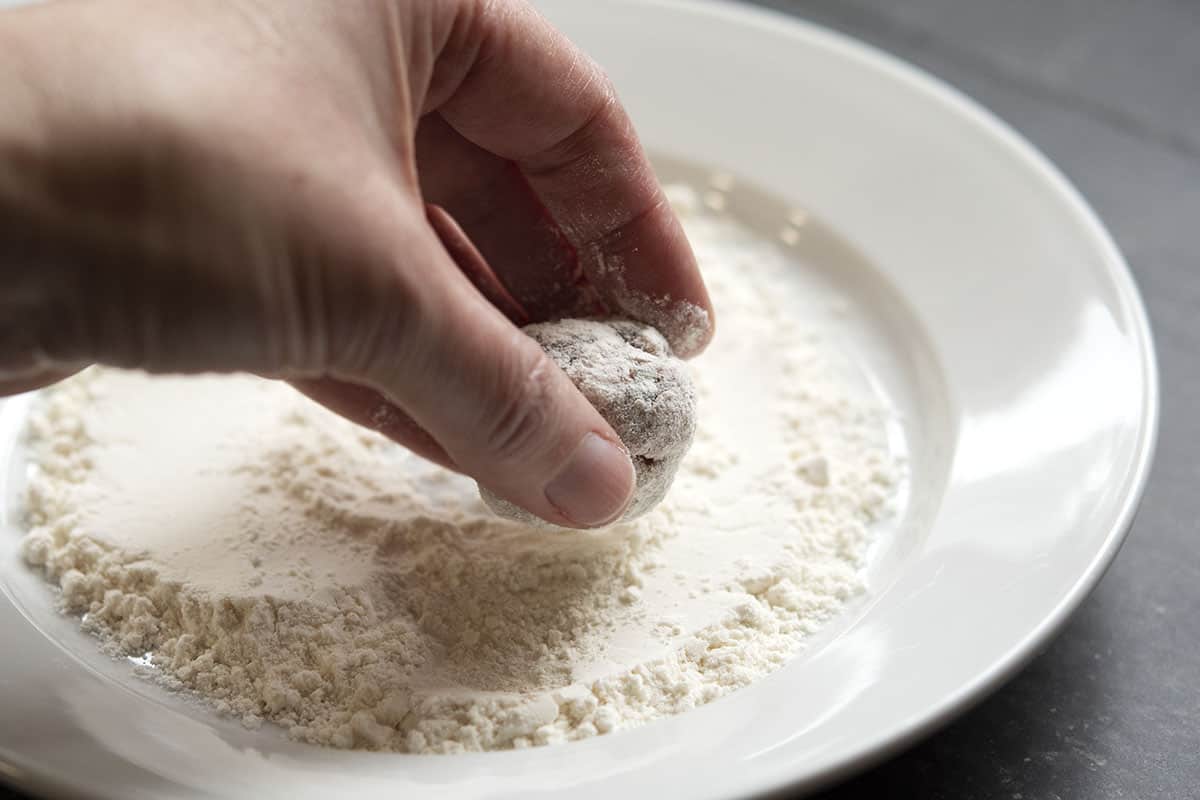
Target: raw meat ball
pixel 628 372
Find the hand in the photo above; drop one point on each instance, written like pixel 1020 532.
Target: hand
pixel 242 186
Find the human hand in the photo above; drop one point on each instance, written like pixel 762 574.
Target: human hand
pixel 241 186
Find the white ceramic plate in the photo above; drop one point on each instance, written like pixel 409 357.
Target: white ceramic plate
pixel 990 306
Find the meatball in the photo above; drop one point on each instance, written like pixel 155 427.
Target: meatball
pixel 628 372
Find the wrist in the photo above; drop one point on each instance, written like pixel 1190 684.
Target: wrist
pixel 22 105
pixel 35 290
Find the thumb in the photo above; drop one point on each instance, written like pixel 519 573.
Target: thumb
pixel 503 411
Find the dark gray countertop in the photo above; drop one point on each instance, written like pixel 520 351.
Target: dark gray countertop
pixel 1110 91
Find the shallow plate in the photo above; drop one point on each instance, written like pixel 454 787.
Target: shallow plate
pixel 984 300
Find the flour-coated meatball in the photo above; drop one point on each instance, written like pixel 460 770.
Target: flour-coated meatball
pixel 627 371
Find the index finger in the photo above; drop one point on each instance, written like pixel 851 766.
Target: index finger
pixel 529 95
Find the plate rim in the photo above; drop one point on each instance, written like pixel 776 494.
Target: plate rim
pixel 1130 300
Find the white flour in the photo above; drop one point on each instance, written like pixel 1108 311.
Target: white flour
pixel 288 566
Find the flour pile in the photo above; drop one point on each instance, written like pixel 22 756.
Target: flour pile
pixel 287 566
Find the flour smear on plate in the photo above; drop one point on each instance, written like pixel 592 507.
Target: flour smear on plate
pixel 281 564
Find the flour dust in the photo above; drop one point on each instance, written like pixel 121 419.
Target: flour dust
pixel 284 565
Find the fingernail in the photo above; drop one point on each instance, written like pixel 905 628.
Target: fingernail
pixel 596 484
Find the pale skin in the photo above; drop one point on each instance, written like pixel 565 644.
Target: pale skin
pixel 245 185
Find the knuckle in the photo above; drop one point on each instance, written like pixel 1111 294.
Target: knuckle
pixel 365 316
pixel 372 330
pixel 517 431
pixel 605 89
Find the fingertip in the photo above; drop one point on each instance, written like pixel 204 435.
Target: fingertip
pixel 646 270
pixel 691 330
pixel 596 484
